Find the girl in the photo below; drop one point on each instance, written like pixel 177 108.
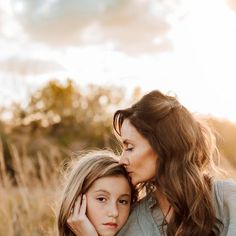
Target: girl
pixel 98 186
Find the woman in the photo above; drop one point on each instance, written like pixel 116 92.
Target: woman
pixel 170 155
pixel 92 180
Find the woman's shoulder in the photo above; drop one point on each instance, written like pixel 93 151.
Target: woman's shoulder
pixel 223 188
pixel 224 194
pixel 225 202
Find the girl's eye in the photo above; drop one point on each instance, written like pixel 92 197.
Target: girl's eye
pixel 124 202
pixel 101 199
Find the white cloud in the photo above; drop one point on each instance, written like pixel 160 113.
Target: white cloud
pixel 130 25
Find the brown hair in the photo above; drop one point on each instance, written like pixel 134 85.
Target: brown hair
pixel 81 174
pixel 185 148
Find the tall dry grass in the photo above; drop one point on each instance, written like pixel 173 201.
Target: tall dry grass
pixel 27 201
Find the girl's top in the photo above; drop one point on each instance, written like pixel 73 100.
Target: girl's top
pixel 146 219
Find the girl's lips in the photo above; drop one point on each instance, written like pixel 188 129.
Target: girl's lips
pixel 111 225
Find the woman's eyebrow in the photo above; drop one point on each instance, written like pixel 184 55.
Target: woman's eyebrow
pixel 127 141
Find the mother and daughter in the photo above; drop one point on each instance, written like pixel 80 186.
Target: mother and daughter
pixel 162 184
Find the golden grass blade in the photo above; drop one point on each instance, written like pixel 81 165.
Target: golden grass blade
pixel 3 174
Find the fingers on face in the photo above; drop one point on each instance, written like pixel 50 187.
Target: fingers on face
pixel 77 205
pixel 83 205
pixel 78 211
pixel 74 211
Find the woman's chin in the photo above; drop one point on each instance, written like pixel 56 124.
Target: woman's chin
pixel 135 181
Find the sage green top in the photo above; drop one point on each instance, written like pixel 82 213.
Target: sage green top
pixel 145 221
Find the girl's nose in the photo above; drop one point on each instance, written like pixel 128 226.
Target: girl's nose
pixel 113 210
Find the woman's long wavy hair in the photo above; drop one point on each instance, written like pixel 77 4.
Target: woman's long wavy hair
pixel 80 176
pixel 186 149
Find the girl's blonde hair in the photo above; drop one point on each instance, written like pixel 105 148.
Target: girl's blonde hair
pixel 80 176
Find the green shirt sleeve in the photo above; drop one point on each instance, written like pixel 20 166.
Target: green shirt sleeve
pixel 229 207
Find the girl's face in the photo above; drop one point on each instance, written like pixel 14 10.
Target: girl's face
pixel 108 204
pixel 138 157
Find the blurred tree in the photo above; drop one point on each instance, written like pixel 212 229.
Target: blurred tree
pixel 66 114
pixel 53 102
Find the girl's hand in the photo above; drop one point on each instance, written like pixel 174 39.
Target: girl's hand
pixel 78 222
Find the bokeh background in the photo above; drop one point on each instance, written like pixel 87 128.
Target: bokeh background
pixel 66 66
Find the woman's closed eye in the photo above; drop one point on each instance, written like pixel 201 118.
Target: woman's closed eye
pixel 128 148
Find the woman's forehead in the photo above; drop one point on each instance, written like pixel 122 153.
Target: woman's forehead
pixel 129 133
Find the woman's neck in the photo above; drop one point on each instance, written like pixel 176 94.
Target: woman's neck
pixel 164 205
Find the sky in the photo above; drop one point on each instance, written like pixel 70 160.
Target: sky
pixel 182 47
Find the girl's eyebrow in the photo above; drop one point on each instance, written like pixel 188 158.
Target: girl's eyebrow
pixel 104 191
pixel 125 195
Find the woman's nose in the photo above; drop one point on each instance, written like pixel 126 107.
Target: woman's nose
pixel 124 160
